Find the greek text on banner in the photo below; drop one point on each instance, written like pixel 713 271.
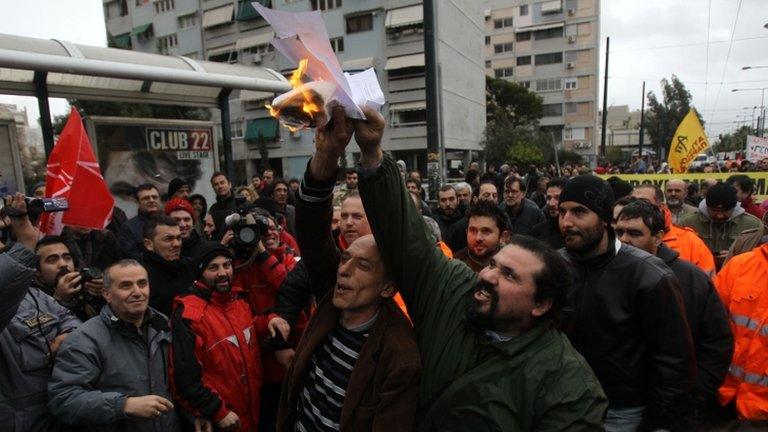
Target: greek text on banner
pixel 660 180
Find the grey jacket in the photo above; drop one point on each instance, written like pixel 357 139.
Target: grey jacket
pixel 719 236
pixel 103 363
pixel 17 268
pixel 25 354
pixel 526 217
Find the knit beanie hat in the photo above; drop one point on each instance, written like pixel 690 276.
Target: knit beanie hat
pixel 620 188
pixel 205 253
pixel 179 204
pixel 592 192
pixel 721 195
pixel 175 185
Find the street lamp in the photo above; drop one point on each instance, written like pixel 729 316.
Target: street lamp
pixel 761 119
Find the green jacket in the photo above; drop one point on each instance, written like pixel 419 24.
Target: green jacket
pixel 533 382
pixel 719 236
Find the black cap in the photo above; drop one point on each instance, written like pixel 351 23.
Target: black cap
pixel 592 192
pixel 620 188
pixel 721 195
pixel 175 185
pixel 205 253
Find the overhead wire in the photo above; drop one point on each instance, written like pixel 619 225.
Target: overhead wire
pixel 728 54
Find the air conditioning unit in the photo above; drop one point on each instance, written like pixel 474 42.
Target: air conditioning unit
pixel 570 65
pixel 572 39
pixel 571 12
pixel 254 58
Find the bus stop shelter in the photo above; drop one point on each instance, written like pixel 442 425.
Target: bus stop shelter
pixel 55 68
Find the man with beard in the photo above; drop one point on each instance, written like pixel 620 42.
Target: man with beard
pixel 280 195
pixel 676 192
pixel 625 313
pixel 548 231
pixel 447 211
pixel 491 360
pixel 457 235
pixel 182 212
pixel 523 213
pixel 216 343
pixel 130 235
pixel 463 193
pixel 169 273
pixel 486 234
pixel 641 224
pixel 225 201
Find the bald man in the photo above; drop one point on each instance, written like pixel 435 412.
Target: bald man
pixel 675 193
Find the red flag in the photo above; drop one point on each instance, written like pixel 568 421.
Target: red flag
pixel 73 173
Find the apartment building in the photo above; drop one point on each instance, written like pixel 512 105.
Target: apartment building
pixel 552 48
pixel 384 34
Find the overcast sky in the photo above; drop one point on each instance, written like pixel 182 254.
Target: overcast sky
pixel 650 40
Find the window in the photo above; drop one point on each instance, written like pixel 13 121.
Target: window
pixel 359 23
pixel 550 84
pixel 549 58
pixel 523 10
pixel 526 84
pixel 404 73
pixel 227 57
pixel 236 129
pixel 574 133
pixel 415 117
pixel 548 34
pixel 337 44
pixel 323 5
pixel 524 60
pixel 571 108
pixel 259 49
pixel 166 43
pixel 487 63
pixel 487 40
pixel 524 36
pixel 502 48
pixel 162 6
pixel 187 21
pixel 502 22
pixel 142 2
pixel 503 72
pixel 571 83
pixel 552 110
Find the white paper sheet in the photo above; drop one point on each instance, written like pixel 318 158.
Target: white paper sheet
pixel 302 35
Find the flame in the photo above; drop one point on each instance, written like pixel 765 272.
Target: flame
pixel 309 103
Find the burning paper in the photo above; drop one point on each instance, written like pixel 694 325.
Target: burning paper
pixel 303 39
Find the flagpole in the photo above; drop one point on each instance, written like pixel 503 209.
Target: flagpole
pixel 642 125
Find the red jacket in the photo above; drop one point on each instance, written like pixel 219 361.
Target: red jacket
pixel 752 208
pixel 261 279
pixel 215 361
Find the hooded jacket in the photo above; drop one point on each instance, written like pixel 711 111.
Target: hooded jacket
pixel 106 361
pixel 719 235
pixel 470 380
pixel 215 345
pixel 625 315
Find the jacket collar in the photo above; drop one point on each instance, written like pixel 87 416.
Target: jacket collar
pixel 667 254
pixel 156 259
pixel 599 261
pixel 226 199
pixel 704 212
pixel 517 344
pixel 152 319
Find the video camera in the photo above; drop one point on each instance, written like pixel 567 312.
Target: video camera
pixel 37 205
pixel 246 225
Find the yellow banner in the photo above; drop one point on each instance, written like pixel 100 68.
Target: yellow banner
pixel 660 180
pixel 689 140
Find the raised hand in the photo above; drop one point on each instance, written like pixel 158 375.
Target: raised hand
pixel 368 134
pixel 330 142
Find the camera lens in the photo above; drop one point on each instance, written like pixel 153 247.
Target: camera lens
pixel 247 235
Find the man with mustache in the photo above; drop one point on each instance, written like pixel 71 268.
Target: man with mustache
pixel 215 345
pixel 549 230
pixel 625 313
pixel 676 192
pixel 490 358
pixel 169 272
pixel 487 231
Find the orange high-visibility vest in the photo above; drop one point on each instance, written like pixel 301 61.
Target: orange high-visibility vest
pixel 743 286
pixel 688 244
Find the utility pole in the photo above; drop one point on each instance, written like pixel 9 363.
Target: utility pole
pixel 605 97
pixel 642 124
pixel 434 162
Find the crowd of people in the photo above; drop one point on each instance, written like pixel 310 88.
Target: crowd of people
pixel 520 301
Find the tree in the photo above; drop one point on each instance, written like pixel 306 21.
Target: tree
pixel 664 117
pixel 615 155
pixel 735 141
pixel 523 154
pixel 512 115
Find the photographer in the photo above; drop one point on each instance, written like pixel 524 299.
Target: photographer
pixel 260 270
pixel 33 327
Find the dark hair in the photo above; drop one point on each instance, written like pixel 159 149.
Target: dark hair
pixel 446 188
pixel 255 176
pixel 558 182
pixel 657 192
pixel 745 183
pixel 509 181
pixel 489 209
pixel 350 171
pixel 144 187
pixel 471 176
pixel 490 182
pixel 51 240
pixel 620 188
pixel 624 200
pixel 218 173
pixel 150 226
pixel 293 180
pixel 199 197
pixel 278 181
pixel 647 211
pixel 410 180
pixel 553 281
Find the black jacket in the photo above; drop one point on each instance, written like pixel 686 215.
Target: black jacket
pixel 625 315
pixel 295 293
pixel 712 336
pixel 548 231
pixel 445 222
pixel 98 249
pixel 222 208
pixel 167 279
pixel 525 218
pixel 131 236
pixel 189 245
